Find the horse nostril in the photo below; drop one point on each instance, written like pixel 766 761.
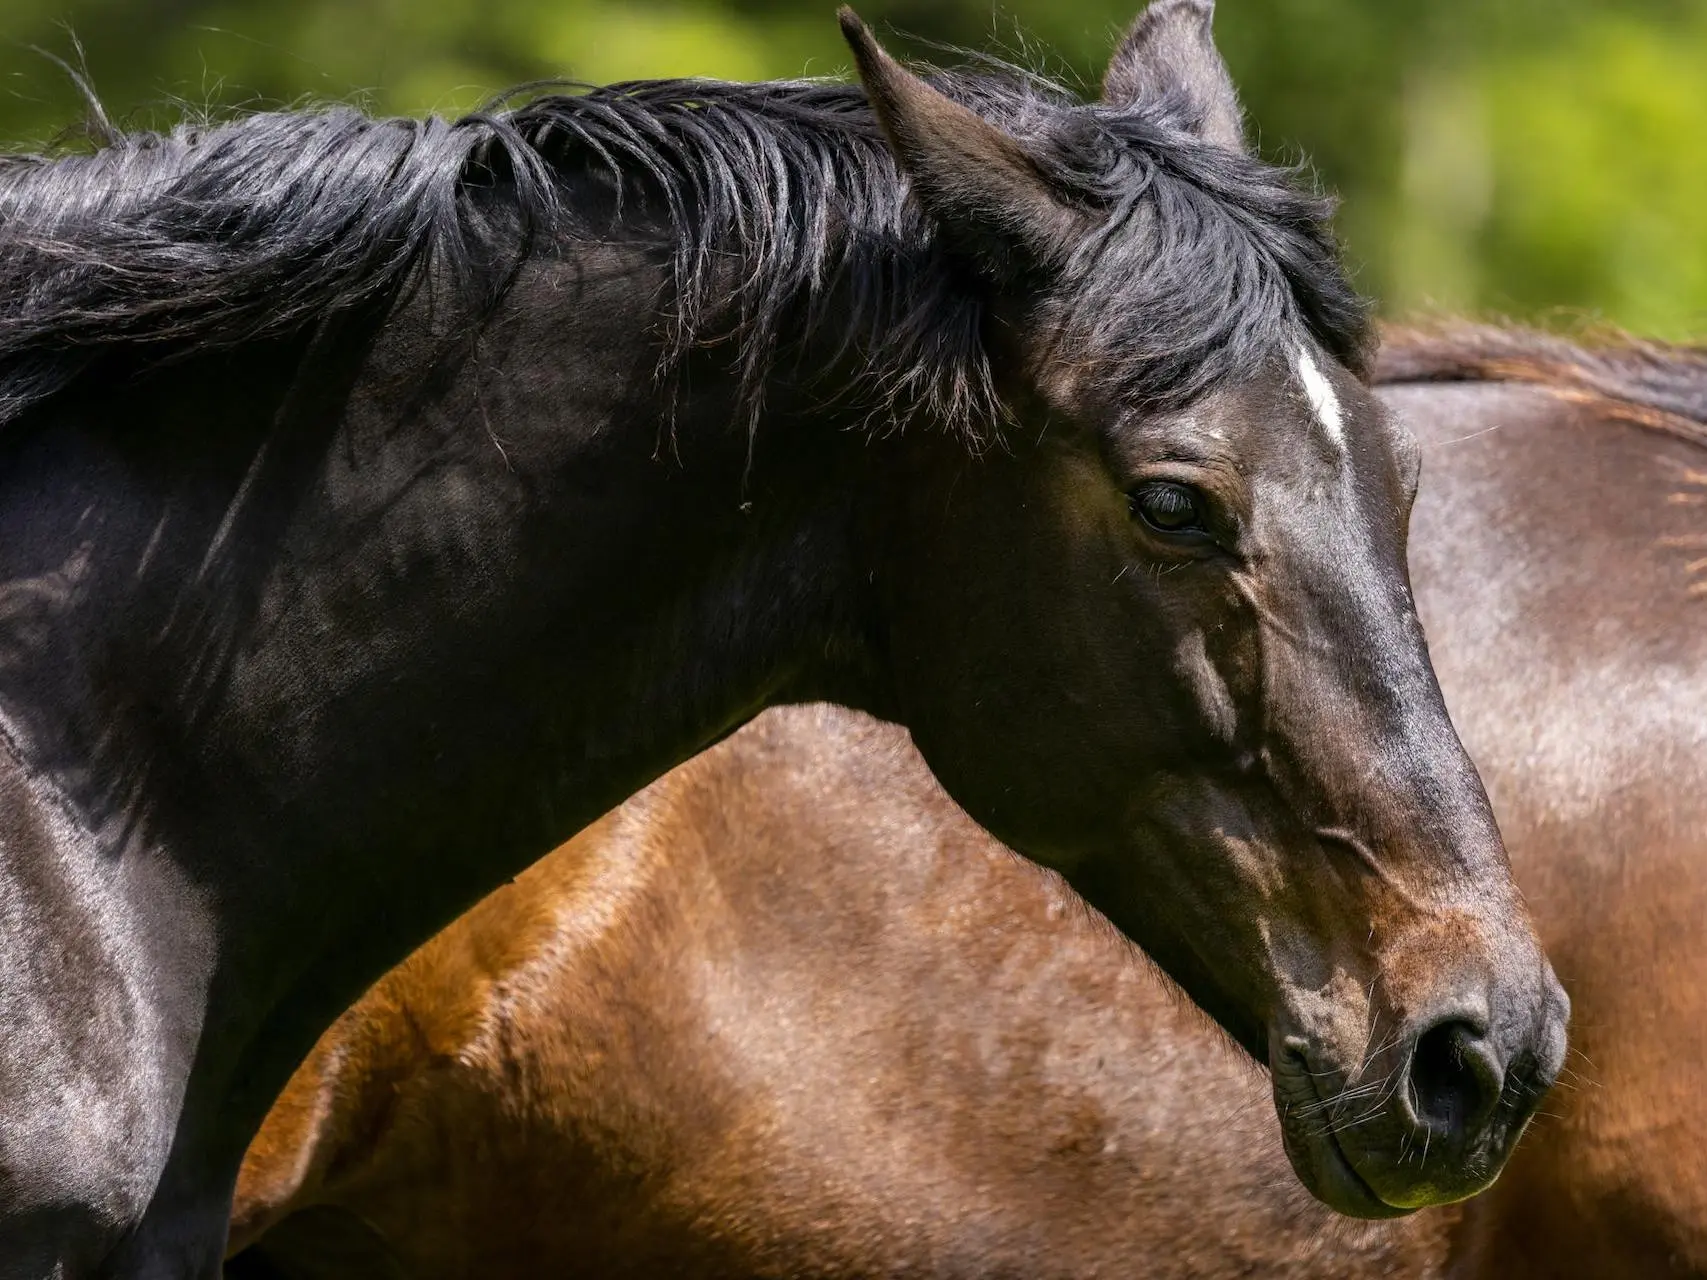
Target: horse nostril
pixel 1454 1081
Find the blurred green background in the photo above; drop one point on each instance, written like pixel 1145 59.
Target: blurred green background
pixel 1540 159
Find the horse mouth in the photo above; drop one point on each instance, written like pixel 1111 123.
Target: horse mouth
pixel 1317 1157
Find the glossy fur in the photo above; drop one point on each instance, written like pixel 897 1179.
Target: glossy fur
pixel 381 502
pixel 790 1013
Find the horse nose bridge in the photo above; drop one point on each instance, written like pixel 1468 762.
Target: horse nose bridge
pixel 1409 854
pixel 1363 731
pixel 1416 803
pixel 1354 722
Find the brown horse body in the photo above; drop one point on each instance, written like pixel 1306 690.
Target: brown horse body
pixel 789 1012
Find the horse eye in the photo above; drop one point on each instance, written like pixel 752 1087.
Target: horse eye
pixel 1169 508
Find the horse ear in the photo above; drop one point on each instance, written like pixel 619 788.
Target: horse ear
pixel 975 180
pixel 1170 56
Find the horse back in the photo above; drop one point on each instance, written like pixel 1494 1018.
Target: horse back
pixel 1560 560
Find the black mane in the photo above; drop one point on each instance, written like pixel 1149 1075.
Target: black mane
pixel 778 206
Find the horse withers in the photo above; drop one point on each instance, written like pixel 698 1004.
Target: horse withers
pixel 658 1053
pixel 384 500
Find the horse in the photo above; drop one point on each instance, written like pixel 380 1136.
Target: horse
pixel 381 501
pixel 665 1050
pixel 1595 756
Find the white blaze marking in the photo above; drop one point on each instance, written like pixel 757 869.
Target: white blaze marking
pixel 1321 394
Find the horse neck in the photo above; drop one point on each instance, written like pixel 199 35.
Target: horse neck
pixel 531 587
pixel 348 660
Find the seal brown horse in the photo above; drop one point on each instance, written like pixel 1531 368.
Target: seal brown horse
pixel 381 501
pixel 667 1051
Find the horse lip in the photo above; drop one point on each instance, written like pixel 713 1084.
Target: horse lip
pixel 1347 1175
pixel 1332 1177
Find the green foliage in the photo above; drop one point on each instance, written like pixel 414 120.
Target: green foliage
pixel 1531 157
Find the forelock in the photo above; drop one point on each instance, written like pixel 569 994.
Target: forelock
pixel 1206 262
